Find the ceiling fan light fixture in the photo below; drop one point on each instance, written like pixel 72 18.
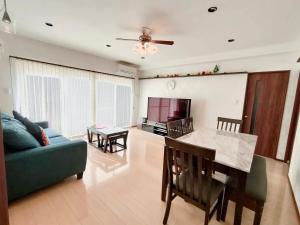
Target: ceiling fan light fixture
pixel 146 48
pixel 6 23
pixel 6 18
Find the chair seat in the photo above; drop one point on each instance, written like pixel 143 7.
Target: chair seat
pixel 256 186
pixel 216 188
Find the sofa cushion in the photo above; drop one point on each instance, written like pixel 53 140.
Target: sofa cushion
pixel 58 140
pixel 51 133
pixel 16 137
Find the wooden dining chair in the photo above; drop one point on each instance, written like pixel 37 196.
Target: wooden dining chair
pixel 188 180
pixel 228 124
pixel 187 125
pixel 174 129
pixel 255 191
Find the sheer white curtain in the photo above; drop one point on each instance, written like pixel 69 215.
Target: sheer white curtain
pixel 60 95
pixel 114 97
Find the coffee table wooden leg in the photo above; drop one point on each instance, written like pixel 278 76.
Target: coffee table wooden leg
pixel 125 141
pixel 105 145
pixel 101 142
pixel 98 138
pixel 89 136
pixel 111 141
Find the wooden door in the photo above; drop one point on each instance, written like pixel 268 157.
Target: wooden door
pixel 3 193
pixel 263 110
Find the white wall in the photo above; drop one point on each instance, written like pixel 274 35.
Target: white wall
pixel 272 62
pixel 210 96
pixel 294 171
pixel 23 47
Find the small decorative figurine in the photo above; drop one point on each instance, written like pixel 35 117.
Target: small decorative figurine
pixel 216 69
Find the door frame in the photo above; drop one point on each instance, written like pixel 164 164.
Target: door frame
pixel 293 124
pixel 245 102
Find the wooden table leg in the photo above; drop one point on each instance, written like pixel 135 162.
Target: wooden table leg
pixel 164 184
pixel 242 177
pixel 98 138
pixel 111 141
pixel 101 142
pixel 125 140
pixel 89 136
pixel 105 145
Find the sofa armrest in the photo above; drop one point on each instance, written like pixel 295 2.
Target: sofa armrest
pixel 36 168
pixel 43 124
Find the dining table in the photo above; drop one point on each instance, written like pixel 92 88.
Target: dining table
pixel 234 155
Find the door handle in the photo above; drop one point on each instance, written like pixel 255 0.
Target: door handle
pixel 245 116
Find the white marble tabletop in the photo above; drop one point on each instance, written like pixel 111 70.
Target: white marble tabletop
pixel 235 150
pixel 106 130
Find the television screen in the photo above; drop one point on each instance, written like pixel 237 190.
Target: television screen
pixel 162 110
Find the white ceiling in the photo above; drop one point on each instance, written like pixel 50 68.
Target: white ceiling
pixel 88 25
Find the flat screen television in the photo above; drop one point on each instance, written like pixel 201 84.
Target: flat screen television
pixel 162 110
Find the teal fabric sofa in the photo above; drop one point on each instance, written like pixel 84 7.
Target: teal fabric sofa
pixel 35 166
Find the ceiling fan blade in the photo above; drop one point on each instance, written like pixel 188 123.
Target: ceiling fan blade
pixel 126 39
pixel 163 42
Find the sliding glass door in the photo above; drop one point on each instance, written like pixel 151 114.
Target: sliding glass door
pixel 70 99
pixel 113 102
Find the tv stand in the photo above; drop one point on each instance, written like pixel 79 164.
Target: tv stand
pixel 156 128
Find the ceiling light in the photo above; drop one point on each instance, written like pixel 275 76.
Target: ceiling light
pixel 6 18
pixel 231 40
pixel 6 22
pixel 145 48
pixel 212 9
pixel 49 24
pixel 108 46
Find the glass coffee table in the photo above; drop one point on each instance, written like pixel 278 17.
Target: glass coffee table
pixel 108 136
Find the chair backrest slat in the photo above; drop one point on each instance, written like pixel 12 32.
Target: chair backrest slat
pixel 199 180
pixel 184 171
pixel 228 121
pixel 191 175
pixel 190 161
pixel 177 167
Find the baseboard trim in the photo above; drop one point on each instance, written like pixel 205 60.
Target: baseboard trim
pixel 294 199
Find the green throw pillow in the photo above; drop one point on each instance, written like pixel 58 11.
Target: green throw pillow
pixel 16 137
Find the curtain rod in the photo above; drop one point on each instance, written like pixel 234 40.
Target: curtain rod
pixel 71 67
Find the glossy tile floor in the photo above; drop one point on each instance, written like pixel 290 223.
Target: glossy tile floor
pixel 124 189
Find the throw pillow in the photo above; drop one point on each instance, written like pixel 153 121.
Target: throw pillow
pixel 18 116
pixel 34 130
pixel 16 137
pixel 44 137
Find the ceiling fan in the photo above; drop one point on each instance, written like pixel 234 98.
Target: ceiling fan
pixel 146 37
pixel 145 42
